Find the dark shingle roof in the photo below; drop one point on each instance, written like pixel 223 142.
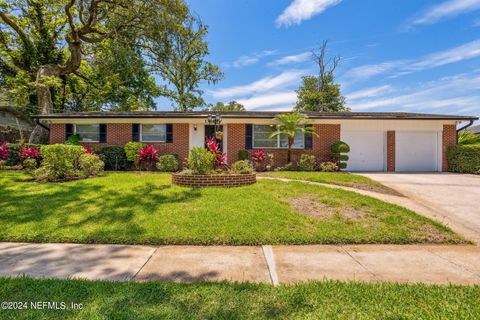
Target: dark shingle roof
pixel 255 114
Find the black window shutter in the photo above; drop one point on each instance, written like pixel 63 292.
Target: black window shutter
pixel 308 139
pixel 169 133
pixel 68 130
pixel 103 133
pixel 136 132
pixel 248 136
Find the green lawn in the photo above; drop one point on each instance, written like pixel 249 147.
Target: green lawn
pixel 144 208
pixel 339 178
pixel 319 300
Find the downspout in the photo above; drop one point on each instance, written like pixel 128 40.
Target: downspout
pixel 463 128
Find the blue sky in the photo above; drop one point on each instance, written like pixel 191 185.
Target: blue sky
pixel 397 55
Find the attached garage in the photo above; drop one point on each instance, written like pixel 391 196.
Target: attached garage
pixel 417 151
pixel 367 150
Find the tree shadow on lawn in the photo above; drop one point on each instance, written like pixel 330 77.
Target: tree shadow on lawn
pixel 102 213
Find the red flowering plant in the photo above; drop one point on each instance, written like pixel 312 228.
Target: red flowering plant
pixel 89 150
pixel 220 158
pixel 147 157
pixel 261 160
pixel 4 151
pixel 29 153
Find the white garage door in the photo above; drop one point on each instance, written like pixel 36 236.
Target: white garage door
pixel 416 151
pixel 366 150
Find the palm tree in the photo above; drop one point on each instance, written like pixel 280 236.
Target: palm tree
pixel 289 125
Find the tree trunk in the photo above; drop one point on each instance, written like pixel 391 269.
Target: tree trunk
pixel 39 134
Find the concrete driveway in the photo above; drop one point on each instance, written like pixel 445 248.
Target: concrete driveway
pixel 455 197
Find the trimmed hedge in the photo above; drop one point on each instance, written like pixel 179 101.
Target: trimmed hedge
pixel 464 158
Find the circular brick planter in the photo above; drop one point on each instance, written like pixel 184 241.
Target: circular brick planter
pixel 213 180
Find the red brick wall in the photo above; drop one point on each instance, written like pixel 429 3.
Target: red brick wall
pixel 121 133
pixel 449 138
pixel 390 151
pixel 327 135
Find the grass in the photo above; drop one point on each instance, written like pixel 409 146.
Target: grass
pixel 318 300
pixel 338 178
pixel 144 208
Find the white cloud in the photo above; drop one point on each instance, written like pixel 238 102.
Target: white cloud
pixel 297 58
pixel 446 9
pixel 278 82
pixel 369 92
pixel 247 60
pixel 466 51
pixel 300 10
pixel 447 95
pixel 273 101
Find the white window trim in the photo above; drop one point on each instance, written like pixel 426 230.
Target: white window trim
pixel 278 141
pixel 96 141
pixel 141 133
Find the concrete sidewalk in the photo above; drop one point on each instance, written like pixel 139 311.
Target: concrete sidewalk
pixel 267 264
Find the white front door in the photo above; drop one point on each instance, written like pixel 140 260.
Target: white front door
pixel 366 150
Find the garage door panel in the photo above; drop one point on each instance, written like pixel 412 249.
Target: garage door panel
pixel 366 150
pixel 416 151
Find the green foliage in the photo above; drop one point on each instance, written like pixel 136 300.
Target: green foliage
pixel 73 140
pixel 337 149
pixel 464 158
pixel 466 137
pixel 29 164
pixel 132 149
pixel 179 58
pixel 60 162
pixel 90 165
pixel 328 166
pixel 3 164
pixel 14 152
pixel 231 106
pixel 200 160
pixel 289 124
pixel 328 99
pixel 243 155
pixel 167 163
pixel 287 167
pixel 115 158
pixel 307 162
pixel 241 167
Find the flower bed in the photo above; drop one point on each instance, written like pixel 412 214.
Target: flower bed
pixel 213 180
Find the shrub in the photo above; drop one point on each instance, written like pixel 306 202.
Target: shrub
pixel 200 160
pixel 464 158
pixel 307 162
pixel 29 164
pixel 167 163
pixel 132 150
pixel 3 151
pixel 328 166
pixel 147 158
pixel 3 164
pixel 261 160
pixel 243 155
pixel 73 140
pixel 29 153
pixel 114 158
pixel 60 162
pixel 91 150
pixel 466 137
pixel 214 147
pixel 14 157
pixel 241 167
pixel 90 165
pixel 337 149
pixel 287 167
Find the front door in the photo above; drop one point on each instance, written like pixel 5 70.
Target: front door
pixel 210 133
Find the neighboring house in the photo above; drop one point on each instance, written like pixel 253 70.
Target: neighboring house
pixel 474 129
pixel 384 141
pixel 14 126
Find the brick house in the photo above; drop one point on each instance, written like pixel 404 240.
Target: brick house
pixel 387 141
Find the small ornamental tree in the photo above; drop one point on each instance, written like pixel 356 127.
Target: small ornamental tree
pixel 338 150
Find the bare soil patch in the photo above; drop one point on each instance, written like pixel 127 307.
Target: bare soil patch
pixel 313 208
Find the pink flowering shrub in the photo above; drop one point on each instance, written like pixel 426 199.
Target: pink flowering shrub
pixel 214 147
pixel 29 153
pixel 261 160
pixel 147 157
pixel 3 151
pixel 89 150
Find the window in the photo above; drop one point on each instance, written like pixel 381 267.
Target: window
pixel 261 138
pixel 88 132
pixel 153 132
